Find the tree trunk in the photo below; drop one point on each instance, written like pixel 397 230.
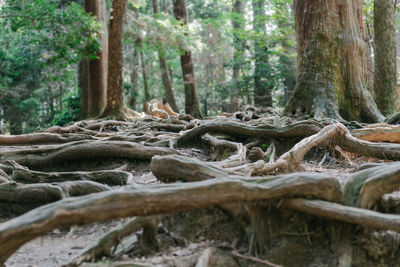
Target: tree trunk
pixel 169 93
pixel 385 82
pixel 192 106
pixel 238 24
pixel 147 96
pixel 115 83
pixel 134 79
pixel 263 83
pixel 97 68
pixel 331 62
pixel 83 84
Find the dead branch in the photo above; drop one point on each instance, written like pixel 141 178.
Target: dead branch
pixel 158 199
pixel 254 259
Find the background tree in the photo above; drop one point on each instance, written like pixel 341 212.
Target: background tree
pixel 191 101
pixel 385 80
pixel 116 107
pixel 263 82
pixel 169 93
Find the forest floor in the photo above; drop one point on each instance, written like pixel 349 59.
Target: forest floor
pixel 255 221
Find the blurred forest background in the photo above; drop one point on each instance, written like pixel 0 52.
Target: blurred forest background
pixel 236 46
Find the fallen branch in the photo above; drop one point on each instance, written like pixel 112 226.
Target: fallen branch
pixel 254 259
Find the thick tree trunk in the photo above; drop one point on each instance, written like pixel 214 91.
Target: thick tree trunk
pixel 166 80
pixel 331 62
pixel 385 82
pixel 97 68
pixel 115 82
pixel 192 106
pixel 238 24
pixel 83 84
pixel 263 83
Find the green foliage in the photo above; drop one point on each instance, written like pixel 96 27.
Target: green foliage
pixel 71 111
pixel 40 43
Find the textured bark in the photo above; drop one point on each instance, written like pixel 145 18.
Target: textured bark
pixel 192 106
pixel 385 82
pixel 115 82
pixel 166 80
pixel 238 24
pixel 97 68
pixel 263 83
pixel 332 62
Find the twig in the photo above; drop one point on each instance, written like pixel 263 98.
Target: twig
pixel 250 258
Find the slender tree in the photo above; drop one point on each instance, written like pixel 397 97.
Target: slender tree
pixel 263 82
pixel 385 80
pixel 83 84
pixel 166 80
pixel 147 96
pixel 116 107
pixel 238 24
pixel 134 79
pixel 331 62
pixel 191 100
pixel 97 68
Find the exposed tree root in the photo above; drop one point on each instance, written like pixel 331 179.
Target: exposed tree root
pixel 109 242
pixel 48 155
pixel 301 129
pixel 343 213
pixel 204 259
pixel 151 200
pixel 24 175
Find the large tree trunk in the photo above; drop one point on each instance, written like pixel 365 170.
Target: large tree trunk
pixel 263 83
pixel 238 24
pixel 166 80
pixel 385 82
pixel 115 83
pixel 331 62
pixel 97 68
pixel 192 106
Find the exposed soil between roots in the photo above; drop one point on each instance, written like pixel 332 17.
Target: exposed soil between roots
pixel 266 192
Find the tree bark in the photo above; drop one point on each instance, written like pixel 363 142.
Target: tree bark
pixel 385 81
pixel 97 68
pixel 192 106
pixel 115 83
pixel 147 96
pixel 166 80
pixel 134 79
pixel 263 83
pixel 331 62
pixel 238 24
